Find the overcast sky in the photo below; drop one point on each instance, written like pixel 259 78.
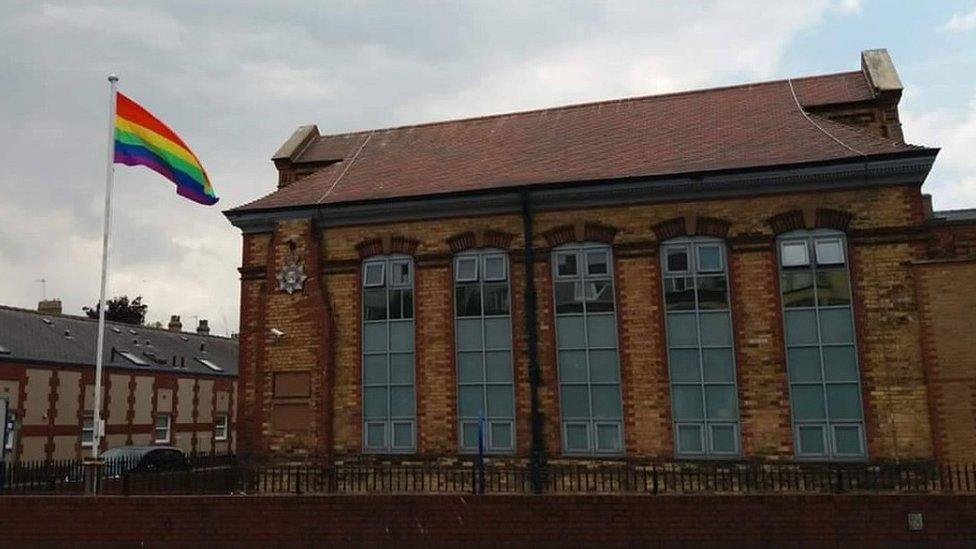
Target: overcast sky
pixel 234 80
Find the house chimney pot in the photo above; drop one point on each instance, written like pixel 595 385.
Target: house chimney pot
pixel 174 324
pixel 49 306
pixel 203 328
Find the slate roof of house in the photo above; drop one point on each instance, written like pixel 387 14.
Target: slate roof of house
pixel 737 127
pixel 31 336
pixel 954 216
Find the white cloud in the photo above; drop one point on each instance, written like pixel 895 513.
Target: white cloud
pixel 848 6
pixel 952 182
pixel 961 22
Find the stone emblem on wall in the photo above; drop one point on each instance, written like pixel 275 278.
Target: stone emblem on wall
pixel 291 276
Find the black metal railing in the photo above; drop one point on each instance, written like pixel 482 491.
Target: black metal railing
pixel 226 474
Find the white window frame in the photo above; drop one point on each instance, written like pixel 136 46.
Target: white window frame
pixel 473 260
pixel 484 267
pixel 784 244
pixel 221 426
pixel 169 429
pixel 372 265
pixel 831 241
pixel 88 426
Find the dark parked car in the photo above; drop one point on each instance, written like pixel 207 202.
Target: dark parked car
pixel 144 459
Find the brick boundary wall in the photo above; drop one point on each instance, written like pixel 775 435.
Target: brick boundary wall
pixel 442 520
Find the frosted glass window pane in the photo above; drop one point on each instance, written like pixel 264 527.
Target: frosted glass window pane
pixel 402 435
pixel 682 330
pixel 844 401
pixel 606 401
pixel 718 365
pixel 797 289
pixel 607 438
pixel 840 363
pixel 495 267
pixel 373 274
pixel 401 368
pixel 690 439
pixel 836 326
pixel 471 401
pixel 375 435
pixel 572 366
pixel 684 365
pixel 804 364
pixel 811 439
pixel 575 401
pixel 570 333
pixel 374 402
pixel 679 294
pixel 801 327
pixel 374 337
pixel 500 401
pixel 469 334
pixel 687 401
pixel 604 367
pixel 723 439
pixel 715 329
pixel 794 254
pixel 597 262
pixel 374 369
pixel 401 336
pixel 498 333
pixel 847 439
pixel 374 304
pixel 501 436
pixel 709 258
pixel 676 259
pixel 576 437
pixel 401 401
pixel 467 269
pixel 713 293
pixel 566 264
pixel 498 366
pixel 601 331
pixel 470 368
pixel 808 402
pixel 469 435
pixel 720 401
pixel 829 251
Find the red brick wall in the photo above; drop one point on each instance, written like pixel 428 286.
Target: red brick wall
pixel 885 233
pixel 557 521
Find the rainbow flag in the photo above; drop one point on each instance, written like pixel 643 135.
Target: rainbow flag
pixel 141 139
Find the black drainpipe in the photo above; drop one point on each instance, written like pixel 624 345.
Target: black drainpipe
pixel 537 455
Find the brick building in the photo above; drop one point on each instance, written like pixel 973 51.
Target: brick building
pixel 159 386
pixel 740 272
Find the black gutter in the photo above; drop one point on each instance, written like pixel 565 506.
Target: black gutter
pixel 537 453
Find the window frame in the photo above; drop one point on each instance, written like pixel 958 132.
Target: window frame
pixel 168 428
pixel 704 424
pixel 826 424
pixel 489 422
pixel 88 426
pixel 221 425
pixel 581 279
pixel 390 423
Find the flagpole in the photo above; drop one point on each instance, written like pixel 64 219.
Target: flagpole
pixel 106 229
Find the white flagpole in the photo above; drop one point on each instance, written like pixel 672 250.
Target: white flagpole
pixel 109 180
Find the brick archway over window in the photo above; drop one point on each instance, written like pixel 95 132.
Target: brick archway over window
pixel 580 232
pixel 810 218
pixel 387 244
pixel 480 238
pixel 691 225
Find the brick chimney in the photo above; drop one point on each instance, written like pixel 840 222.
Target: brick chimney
pixel 174 324
pixel 203 328
pixel 49 306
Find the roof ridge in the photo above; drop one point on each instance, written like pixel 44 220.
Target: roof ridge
pixel 587 104
pixel 108 322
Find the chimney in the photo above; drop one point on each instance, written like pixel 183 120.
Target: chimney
pixel 174 324
pixel 927 206
pixel 285 157
pixel 49 306
pixel 203 328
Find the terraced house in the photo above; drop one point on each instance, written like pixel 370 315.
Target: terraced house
pixel 741 272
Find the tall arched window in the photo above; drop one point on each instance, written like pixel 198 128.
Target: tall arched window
pixel 700 355
pixel 821 350
pixel 586 340
pixel 389 417
pixel 484 350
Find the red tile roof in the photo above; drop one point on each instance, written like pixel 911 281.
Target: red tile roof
pixel 746 126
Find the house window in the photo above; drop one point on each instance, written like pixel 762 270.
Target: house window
pixel 9 443
pixel 586 340
pixel 220 427
pixel 483 338
pixel 821 350
pixel 389 417
pixel 161 433
pixel 701 361
pixel 87 431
